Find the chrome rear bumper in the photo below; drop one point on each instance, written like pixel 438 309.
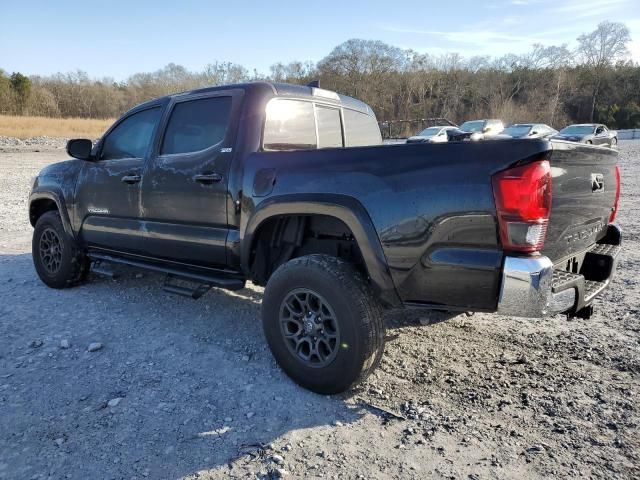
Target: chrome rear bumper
pixel 531 288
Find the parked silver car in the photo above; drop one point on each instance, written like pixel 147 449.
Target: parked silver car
pixel 528 130
pixel 591 133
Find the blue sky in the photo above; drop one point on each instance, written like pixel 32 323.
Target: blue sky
pixel 118 38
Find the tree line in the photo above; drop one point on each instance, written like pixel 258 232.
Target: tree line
pixel 595 81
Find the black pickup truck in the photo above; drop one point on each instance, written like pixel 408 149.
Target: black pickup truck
pixel 290 187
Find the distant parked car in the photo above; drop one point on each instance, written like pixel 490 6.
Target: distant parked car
pixel 482 128
pixel 528 130
pixel 456 135
pixel 591 133
pixel 437 134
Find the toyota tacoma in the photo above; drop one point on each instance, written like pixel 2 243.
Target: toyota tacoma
pixel 290 187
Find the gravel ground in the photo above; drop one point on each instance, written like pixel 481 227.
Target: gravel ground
pixel 181 388
pixel 13 144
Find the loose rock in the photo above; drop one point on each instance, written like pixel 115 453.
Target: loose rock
pixel 281 472
pixel 114 402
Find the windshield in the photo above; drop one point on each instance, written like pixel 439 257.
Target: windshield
pixel 517 130
pixel 429 132
pixel 474 126
pixel 577 130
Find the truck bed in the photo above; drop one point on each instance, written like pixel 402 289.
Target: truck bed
pixel 433 206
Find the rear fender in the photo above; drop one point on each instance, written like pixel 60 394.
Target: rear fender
pixel 342 207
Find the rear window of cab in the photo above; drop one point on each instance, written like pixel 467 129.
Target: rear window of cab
pixel 305 125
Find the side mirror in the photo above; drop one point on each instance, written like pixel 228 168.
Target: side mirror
pixel 485 129
pixel 80 148
pixel 533 133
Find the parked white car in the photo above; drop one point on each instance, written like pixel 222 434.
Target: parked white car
pixel 437 134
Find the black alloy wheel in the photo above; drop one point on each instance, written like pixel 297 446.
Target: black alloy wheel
pixel 309 327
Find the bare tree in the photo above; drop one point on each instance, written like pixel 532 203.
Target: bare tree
pixel 293 72
pixel 220 73
pixel 600 49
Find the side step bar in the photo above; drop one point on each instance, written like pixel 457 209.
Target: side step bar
pixel 205 280
pixel 195 293
pixel 96 267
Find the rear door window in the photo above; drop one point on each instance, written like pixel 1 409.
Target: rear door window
pixel 329 127
pixel 289 125
pixel 196 125
pixel 360 129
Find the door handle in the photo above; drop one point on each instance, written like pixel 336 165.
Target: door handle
pixel 131 179
pixel 208 178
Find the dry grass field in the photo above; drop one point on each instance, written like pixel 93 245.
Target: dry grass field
pixel 27 127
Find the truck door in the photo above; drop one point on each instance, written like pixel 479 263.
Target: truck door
pixel 184 187
pixel 108 189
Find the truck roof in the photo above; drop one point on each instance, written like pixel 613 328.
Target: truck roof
pixel 287 90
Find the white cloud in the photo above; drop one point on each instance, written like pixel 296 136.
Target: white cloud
pixel 475 41
pixel 590 8
pixel 515 31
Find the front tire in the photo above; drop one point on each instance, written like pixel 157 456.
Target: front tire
pixel 614 142
pixel 322 323
pixel 58 262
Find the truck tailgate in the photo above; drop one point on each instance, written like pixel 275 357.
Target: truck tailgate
pixel 584 194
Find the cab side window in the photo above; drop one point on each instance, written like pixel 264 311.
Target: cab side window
pixel 329 127
pixel 289 125
pixel 361 129
pixel 195 125
pixel 131 137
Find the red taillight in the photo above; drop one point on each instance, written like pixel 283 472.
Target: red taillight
pixel 523 204
pixel 614 212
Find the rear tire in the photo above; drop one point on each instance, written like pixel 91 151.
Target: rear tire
pixel 57 260
pixel 322 323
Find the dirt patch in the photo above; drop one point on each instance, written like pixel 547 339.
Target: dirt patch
pixel 182 388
